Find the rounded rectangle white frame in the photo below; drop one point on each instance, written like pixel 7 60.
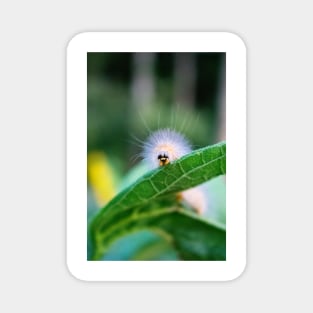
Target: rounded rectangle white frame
pixel 77 156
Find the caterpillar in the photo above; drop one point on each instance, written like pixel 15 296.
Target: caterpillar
pixel 165 146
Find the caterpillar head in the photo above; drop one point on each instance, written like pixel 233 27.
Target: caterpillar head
pixel 163 159
pixel 164 146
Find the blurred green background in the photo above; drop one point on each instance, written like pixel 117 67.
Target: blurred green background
pixel 130 94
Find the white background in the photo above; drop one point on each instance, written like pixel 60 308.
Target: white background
pixel 33 274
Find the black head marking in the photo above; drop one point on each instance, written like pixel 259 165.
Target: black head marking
pixel 162 156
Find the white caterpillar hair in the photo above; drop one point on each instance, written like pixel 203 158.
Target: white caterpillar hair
pixel 164 146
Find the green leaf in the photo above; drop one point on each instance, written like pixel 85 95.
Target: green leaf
pixel 141 245
pixel 150 203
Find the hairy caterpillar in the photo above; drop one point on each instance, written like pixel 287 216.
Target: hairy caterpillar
pixel 164 146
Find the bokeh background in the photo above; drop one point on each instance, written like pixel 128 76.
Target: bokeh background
pixel 131 94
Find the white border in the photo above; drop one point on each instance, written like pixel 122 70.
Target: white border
pixel 77 156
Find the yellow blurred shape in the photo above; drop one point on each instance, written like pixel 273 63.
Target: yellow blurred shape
pixel 101 178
